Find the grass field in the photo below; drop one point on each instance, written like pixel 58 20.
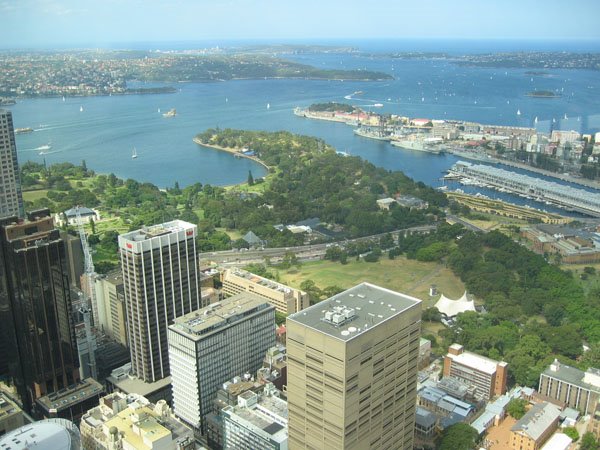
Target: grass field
pixel 31 196
pixel 407 276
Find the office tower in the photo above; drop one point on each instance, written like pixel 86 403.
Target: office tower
pixel 352 371
pixel 160 277
pixel 110 296
pixel 212 345
pixel 285 299
pixel 11 199
pixel 37 323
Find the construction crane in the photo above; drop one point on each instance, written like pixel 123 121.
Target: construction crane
pixel 88 268
pixel 88 293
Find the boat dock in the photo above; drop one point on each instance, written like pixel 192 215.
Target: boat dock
pixel 566 197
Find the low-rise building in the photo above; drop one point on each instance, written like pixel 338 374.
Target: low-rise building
pixel 486 375
pixel 449 410
pixel 11 415
pixel 76 216
pixel 285 299
pixel 121 379
pixel 535 427
pixel 594 425
pixel 578 389
pixel 72 402
pixel 131 422
pixel 575 246
pixel 258 421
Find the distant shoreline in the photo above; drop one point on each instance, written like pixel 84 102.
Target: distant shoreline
pixel 234 151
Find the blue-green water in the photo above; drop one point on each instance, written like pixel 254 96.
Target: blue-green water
pixel 108 128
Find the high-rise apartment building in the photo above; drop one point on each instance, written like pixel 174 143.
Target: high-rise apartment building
pixel 212 345
pixel 160 279
pixel 11 198
pixel 37 332
pixel 352 371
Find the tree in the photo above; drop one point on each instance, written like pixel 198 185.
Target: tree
pixel 250 178
pixel 589 442
pixel 93 225
pixel 571 432
pixel 459 436
pixel 516 408
pixel 432 315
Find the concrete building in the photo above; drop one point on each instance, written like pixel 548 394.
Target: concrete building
pixel 43 434
pixel 352 370
pixel 11 198
pixel 76 216
pixel 564 136
pixel 122 380
pixel 578 389
pixel 259 421
pixel 285 299
pixel 535 427
pixel 594 425
pixel 575 246
pixel 11 415
pixel 486 375
pixel 131 422
pixel 110 296
pixel 71 403
pixel 37 337
pixel 160 278
pixel 215 344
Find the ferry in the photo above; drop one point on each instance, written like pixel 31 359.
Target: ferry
pixel 170 113
pixel 23 130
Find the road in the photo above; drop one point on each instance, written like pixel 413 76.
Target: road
pixel 451 218
pixel 303 252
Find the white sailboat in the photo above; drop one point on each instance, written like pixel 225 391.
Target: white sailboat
pixel 81 109
pixel 64 98
pixel 268 106
pixel 134 153
pixel 159 110
pixel 535 120
pixel 518 112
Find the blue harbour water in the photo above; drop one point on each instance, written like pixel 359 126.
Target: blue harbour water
pixel 108 128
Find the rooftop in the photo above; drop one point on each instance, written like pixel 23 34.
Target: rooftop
pixel 153 231
pixel 481 363
pixel 7 406
pixel 206 320
pixel 354 311
pixel 257 279
pixel 59 434
pixel 537 420
pixel 72 395
pixel 134 385
pixel 589 380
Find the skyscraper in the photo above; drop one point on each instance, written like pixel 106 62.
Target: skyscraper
pixel 37 330
pixel 160 279
pixel 11 199
pixel 212 345
pixel 352 371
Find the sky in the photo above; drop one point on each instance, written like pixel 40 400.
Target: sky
pixel 99 23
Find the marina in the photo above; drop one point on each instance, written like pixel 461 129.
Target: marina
pixel 537 189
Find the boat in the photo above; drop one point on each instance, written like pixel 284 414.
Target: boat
pixel 64 98
pixel 23 130
pixel 81 109
pixel 159 110
pixel 518 112
pixel 170 113
pixel 134 153
pixel 268 106
pixel 418 145
pixel 371 134
pixel 378 105
pixel 358 93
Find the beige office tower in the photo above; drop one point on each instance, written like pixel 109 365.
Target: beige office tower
pixel 160 280
pixel 352 371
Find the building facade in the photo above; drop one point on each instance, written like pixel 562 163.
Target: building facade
pixel 285 299
pixel 258 421
pixel 37 332
pixel 11 415
pixel 110 296
pixel 11 198
pixel 489 377
pixel 577 389
pixel 160 278
pixel 352 371
pixel 209 346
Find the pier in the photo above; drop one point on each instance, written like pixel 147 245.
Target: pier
pixel 566 197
